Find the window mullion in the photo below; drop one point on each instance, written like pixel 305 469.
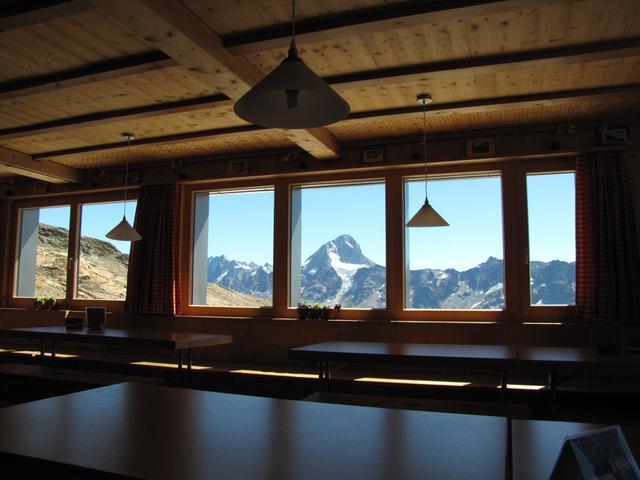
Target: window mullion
pixel 73 253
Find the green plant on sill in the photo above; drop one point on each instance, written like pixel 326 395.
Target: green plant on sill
pixel 317 311
pixel 44 303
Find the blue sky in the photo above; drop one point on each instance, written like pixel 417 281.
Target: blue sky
pixel 241 225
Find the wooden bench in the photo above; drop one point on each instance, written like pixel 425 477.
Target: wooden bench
pixel 26 382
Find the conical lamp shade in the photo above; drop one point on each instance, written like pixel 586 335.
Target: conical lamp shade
pixel 124 232
pixel 292 96
pixel 427 217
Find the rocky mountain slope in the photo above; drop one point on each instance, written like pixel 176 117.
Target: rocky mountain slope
pixel 338 272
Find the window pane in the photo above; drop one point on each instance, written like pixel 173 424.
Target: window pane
pixel 552 238
pixel 233 249
pixel 103 263
pixel 43 251
pixel 338 246
pixel 459 266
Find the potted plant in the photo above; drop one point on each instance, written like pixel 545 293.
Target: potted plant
pixel 50 303
pixel 303 310
pixel 38 303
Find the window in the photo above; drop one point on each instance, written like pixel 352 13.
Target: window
pixel 338 245
pixel 459 266
pixel 552 238
pixel 102 262
pixel 43 252
pixel 233 249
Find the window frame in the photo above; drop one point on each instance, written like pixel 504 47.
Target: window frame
pixel 75 203
pixel 537 313
pixel 337 182
pixel 186 249
pixel 495 173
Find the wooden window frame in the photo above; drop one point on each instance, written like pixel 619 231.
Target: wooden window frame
pixel 75 203
pixel 513 178
pixel 536 313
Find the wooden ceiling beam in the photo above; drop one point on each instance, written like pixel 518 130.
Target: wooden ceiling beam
pixel 371 20
pixel 31 12
pixel 96 72
pixel 23 164
pixel 472 106
pixel 490 64
pixel 103 118
pixel 173 28
pixel 490 104
pixel 163 140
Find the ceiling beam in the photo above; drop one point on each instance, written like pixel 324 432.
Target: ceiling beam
pixel 163 140
pixel 490 64
pixel 171 27
pixel 371 20
pixel 470 66
pixel 96 72
pixel 30 12
pixel 489 104
pixel 102 118
pixel 23 164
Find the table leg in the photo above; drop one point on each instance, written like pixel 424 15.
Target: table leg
pixel 324 375
pixel 180 361
pixel 504 387
pixel 189 360
pixel 42 350
pixel 53 349
pixel 552 383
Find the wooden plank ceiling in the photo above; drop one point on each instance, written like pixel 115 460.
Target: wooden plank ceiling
pixel 77 73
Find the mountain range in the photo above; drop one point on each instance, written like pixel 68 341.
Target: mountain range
pixel 339 272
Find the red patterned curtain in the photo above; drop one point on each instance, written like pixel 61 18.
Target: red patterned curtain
pixel 153 280
pixel 607 263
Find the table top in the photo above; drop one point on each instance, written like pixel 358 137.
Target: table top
pixel 163 432
pixel 536 445
pixel 407 353
pixel 587 358
pixel 505 356
pixel 141 338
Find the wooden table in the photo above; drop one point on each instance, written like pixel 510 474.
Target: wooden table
pixel 570 360
pixel 155 432
pixel 536 445
pixel 160 339
pixel 498 357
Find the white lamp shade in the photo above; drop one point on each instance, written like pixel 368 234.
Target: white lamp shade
pixel 292 96
pixel 427 217
pixel 124 232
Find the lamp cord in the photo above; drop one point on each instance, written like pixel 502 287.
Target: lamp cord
pixel 424 144
pixel 293 23
pixel 126 177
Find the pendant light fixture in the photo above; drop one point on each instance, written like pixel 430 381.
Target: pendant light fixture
pixel 124 231
pixel 426 216
pixel 292 96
